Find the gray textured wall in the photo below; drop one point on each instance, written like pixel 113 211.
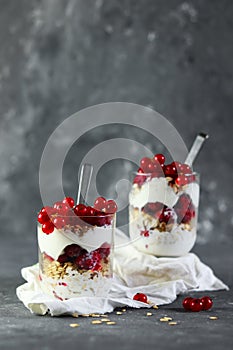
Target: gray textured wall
pixel 57 57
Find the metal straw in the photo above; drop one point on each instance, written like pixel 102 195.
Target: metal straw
pixel 195 149
pixel 84 182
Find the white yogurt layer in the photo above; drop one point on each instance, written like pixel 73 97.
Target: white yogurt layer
pixel 54 243
pixel 175 243
pixel 155 190
pixel 75 284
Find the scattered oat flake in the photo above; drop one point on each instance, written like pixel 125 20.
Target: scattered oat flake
pixel 75 315
pixel 155 307
pixel 165 319
pixel 123 310
pixel 85 315
pixel 149 314
pixel 110 322
pixel 73 325
pixel 172 323
pixel 105 320
pixel 119 313
pixel 96 322
pixel 94 315
pixel 213 317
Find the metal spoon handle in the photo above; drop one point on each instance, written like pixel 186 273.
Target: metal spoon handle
pixel 84 182
pixel 195 149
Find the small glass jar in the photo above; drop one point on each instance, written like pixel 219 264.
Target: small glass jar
pixel 75 260
pixel 163 213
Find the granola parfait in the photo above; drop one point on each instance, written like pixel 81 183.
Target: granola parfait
pixel 76 248
pixel 163 206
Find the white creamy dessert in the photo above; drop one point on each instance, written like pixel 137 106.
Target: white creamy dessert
pixel 75 251
pixel 163 209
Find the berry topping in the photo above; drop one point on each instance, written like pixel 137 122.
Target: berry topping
pixel 139 179
pixel 207 303
pixel 196 305
pixel 186 303
pixel 42 217
pixel 145 164
pixel 60 206
pixel 104 250
pixel 140 297
pixel 159 158
pixel 145 233
pixel 100 203
pixel 62 258
pixel 59 222
pixel 48 227
pixel 68 201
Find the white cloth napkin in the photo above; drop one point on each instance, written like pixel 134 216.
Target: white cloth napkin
pixel 161 279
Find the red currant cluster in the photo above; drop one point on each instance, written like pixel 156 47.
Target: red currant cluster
pixel 85 260
pixel 140 297
pixel 180 174
pixel 197 304
pixel 184 209
pixel 66 213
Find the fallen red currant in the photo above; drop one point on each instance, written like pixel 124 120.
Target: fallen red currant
pixel 140 297
pixel 207 303
pixel 196 305
pixel 186 303
pixel 59 222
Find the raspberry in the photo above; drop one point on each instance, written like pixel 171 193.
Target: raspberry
pixel 72 250
pixel 167 215
pixel 89 261
pixel 184 209
pixel 153 208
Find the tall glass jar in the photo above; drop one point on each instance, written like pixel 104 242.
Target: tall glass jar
pixel 163 213
pixel 75 259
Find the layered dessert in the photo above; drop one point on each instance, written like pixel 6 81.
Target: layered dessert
pixel 163 204
pixel 75 248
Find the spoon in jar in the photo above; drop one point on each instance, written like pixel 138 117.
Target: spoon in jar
pixel 196 147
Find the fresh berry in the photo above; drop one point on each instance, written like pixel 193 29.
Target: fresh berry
pixel 111 207
pixel 170 170
pixel 207 303
pixel 181 180
pixel 100 203
pixel 68 201
pixel 159 158
pixel 48 227
pixel 59 222
pixel 89 261
pixel 60 206
pixel 140 297
pixel 80 210
pixel 140 171
pixel 145 163
pixel 167 215
pixel 185 169
pixel 104 250
pixel 72 250
pixel 196 305
pixel 186 303
pixel 42 217
pixel 62 258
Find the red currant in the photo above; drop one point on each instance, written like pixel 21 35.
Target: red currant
pixel 111 207
pixel 185 169
pixel 196 305
pixel 207 303
pixel 140 171
pixel 48 227
pixel 139 179
pixel 140 297
pixel 181 180
pixel 186 303
pixel 68 201
pixel 61 206
pixel 145 163
pixel 59 222
pixel 42 217
pixel 159 158
pixel 80 210
pixel 100 203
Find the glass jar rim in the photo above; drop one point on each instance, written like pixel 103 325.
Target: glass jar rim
pixel 160 175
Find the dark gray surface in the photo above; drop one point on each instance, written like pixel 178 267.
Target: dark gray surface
pixel 57 57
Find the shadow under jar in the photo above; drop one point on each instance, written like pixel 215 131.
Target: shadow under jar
pixel 163 213
pixel 75 260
